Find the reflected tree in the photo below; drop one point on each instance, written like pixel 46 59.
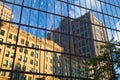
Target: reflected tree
pixel 106 65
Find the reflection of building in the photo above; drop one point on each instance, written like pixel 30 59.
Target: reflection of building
pixel 63 39
pixel 31 60
pixel 26 59
pixel 83 27
pixel 62 67
pixel 77 68
pixel 86 26
pixel 5 12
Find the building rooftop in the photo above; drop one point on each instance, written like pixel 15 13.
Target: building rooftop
pixel 1 4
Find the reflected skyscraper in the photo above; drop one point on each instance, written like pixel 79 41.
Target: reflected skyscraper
pixel 83 32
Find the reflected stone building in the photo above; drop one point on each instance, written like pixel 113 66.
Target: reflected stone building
pixel 5 12
pixel 79 35
pixel 32 54
pixel 63 40
pixel 26 59
pixel 89 28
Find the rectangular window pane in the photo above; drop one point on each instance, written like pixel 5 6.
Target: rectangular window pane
pixel 56 39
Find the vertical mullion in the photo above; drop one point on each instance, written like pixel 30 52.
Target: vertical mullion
pixel 69 40
pixel 11 75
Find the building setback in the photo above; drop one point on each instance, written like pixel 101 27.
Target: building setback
pixel 88 26
pixel 32 59
pixel 84 30
pixel 78 37
pixel 26 59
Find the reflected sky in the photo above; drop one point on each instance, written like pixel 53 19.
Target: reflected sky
pixel 43 20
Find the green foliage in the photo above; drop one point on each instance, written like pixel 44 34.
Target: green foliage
pixel 103 64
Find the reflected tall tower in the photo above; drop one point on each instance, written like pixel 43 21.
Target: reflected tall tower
pixel 89 28
pixel 81 28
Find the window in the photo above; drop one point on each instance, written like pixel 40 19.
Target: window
pixel 20 49
pixel 19 57
pixel 83 50
pixel 46 59
pixel 51 68
pixel 23 77
pixel 24 68
pixel 58 64
pixel 37 46
pixel 3 73
pixel 36 70
pixel 25 59
pixel 26 51
pixel 45 66
pixel 36 63
pixel 31 69
pixel 1 40
pixel 29 78
pixel 51 61
pixel 16 76
pixel 31 61
pixel 18 66
pixel 77 31
pixel 27 43
pixel 10 36
pixel 52 54
pixel 15 37
pixel 5 63
pixel 32 45
pixel 58 57
pixel 8 46
pixel 54 69
pixel 12 55
pixel 10 65
pixel 7 53
pixel 36 55
pixel 66 73
pixel 13 47
pixel 9 74
pixel 65 67
pixel 32 53
pixel 59 71
pixel 2 32
pixel 22 41
pixel 46 52
pixel 79 44
pixel 83 42
pixel 87 49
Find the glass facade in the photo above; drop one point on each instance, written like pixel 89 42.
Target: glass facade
pixel 51 39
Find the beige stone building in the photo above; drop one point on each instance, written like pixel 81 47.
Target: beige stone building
pixel 26 59
pixel 83 27
pixel 85 31
pixel 5 12
pixel 92 32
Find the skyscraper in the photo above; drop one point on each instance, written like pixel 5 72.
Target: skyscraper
pixel 90 29
pixel 85 30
